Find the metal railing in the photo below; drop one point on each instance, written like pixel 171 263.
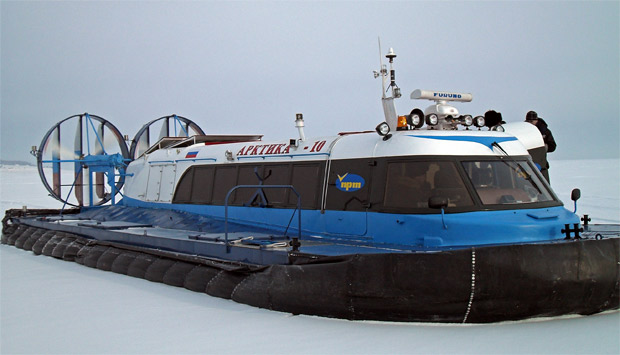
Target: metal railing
pixel 260 187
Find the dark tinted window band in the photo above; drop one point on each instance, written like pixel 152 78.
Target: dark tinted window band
pixel 392 185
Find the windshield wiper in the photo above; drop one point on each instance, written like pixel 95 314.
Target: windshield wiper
pixel 522 171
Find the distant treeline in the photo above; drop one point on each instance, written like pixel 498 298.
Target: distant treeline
pixel 15 162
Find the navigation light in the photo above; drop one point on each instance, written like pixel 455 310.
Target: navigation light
pixel 432 119
pixel 466 120
pixel 383 129
pixel 416 118
pixel 479 121
pixel 402 123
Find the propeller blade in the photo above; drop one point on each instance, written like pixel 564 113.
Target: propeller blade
pixel 77 166
pixel 99 178
pixel 98 142
pixel 58 151
pixel 143 144
pixel 56 161
pixel 165 129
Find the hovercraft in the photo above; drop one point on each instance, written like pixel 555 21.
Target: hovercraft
pixel 434 216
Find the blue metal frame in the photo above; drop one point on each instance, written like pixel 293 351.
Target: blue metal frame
pixel 177 120
pixel 98 163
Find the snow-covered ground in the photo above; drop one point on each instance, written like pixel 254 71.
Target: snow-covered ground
pixel 51 306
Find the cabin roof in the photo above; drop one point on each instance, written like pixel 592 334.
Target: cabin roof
pixel 180 142
pixel 164 142
pixel 218 139
pixel 250 148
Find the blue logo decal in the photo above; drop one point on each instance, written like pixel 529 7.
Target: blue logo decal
pixel 350 182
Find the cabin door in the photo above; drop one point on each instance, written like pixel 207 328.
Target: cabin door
pixel 160 186
pixel 348 196
pixel 166 188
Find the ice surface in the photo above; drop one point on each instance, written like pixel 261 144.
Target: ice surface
pixel 599 182
pixel 51 306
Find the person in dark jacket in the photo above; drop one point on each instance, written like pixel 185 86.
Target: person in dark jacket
pixel 550 145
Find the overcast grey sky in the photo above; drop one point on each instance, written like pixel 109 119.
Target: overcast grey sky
pixel 248 67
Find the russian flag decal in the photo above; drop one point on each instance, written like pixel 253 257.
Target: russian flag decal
pixel 191 155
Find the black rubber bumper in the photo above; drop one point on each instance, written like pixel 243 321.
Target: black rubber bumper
pixel 475 285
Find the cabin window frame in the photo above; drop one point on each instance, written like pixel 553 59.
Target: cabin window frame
pixel 283 193
pixel 184 187
pixel 288 198
pixel 233 171
pixel 208 173
pixel 246 175
pixel 307 204
pixel 376 184
pixel 554 200
pixel 358 200
pixel 380 179
pixel 384 165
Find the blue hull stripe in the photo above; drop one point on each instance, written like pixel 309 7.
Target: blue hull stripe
pixel 486 141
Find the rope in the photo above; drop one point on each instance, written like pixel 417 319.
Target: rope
pixel 289 222
pixel 473 284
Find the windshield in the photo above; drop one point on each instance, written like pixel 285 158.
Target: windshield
pixel 411 183
pixel 506 182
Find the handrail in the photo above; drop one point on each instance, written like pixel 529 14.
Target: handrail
pixel 298 208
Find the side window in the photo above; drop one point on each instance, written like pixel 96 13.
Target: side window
pixel 247 176
pixel 410 184
pixel 277 175
pixel 506 183
pixel 202 185
pixel 448 183
pixel 210 184
pixel 183 192
pixel 225 179
pixel 307 181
